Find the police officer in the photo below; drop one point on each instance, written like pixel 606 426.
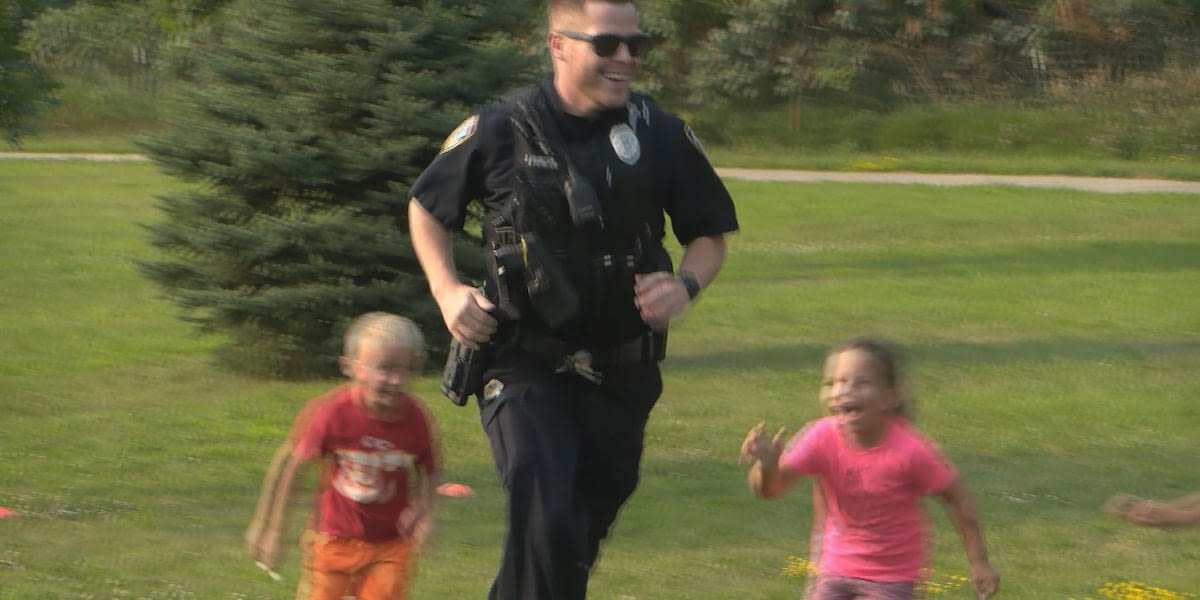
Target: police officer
pixel 575 176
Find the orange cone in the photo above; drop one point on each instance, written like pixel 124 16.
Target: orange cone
pixel 455 490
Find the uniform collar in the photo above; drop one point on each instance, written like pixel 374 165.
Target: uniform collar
pixel 575 127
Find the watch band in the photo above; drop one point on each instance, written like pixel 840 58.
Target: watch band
pixel 690 283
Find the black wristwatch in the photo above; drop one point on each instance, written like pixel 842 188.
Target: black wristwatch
pixel 690 283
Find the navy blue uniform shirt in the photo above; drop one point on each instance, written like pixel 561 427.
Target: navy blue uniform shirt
pixel 643 162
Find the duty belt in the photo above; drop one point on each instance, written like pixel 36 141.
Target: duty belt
pixel 586 361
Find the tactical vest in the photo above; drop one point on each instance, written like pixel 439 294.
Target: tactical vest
pixel 583 220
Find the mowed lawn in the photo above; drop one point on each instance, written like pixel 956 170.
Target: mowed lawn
pixel 1053 336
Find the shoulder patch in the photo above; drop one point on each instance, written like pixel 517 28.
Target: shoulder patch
pixel 695 140
pixel 462 133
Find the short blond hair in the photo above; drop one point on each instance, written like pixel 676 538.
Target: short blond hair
pixel 558 10
pixel 379 326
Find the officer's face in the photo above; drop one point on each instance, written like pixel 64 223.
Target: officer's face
pixel 589 83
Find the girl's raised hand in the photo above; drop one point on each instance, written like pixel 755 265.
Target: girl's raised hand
pixel 758 447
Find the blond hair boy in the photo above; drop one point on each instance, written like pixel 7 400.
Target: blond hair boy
pixel 379 450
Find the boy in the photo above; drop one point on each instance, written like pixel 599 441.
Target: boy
pixel 378 446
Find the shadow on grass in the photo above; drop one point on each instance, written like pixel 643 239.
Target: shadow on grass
pixel 947 353
pixel 1045 489
pixel 1139 256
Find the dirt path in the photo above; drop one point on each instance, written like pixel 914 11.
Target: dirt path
pixel 73 156
pixel 1109 185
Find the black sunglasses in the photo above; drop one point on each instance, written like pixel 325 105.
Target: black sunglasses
pixel 606 44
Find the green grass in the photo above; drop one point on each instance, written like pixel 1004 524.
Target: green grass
pixel 1053 337
pixel 69 141
pixel 768 156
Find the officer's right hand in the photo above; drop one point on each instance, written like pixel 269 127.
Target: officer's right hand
pixel 466 312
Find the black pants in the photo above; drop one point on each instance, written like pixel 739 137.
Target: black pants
pixel 568 453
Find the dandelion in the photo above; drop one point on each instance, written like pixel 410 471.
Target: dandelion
pixel 1136 590
pixel 933 586
pixel 798 566
pixel 888 163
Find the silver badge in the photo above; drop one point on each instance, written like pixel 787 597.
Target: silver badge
pixel 492 390
pixel 625 143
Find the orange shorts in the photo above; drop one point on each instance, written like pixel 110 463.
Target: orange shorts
pixel 339 567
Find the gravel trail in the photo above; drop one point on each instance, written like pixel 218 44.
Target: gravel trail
pixel 1108 185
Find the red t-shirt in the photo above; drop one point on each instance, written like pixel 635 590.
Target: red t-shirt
pixel 375 464
pixel 875 526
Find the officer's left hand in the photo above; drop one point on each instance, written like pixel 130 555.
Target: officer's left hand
pixel 660 297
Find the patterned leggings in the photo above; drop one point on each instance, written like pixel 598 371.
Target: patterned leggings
pixel 849 588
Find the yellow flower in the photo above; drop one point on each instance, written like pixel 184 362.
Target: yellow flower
pixel 798 567
pixel 1136 590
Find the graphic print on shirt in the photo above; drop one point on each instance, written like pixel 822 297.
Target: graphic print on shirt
pixel 362 474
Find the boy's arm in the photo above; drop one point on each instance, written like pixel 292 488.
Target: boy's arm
pixel 266 496
pixel 960 507
pixel 418 517
pixel 269 549
pixel 427 506
pixel 417 520
pixel 433 479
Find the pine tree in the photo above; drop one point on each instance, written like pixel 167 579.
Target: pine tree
pixel 24 87
pixel 301 130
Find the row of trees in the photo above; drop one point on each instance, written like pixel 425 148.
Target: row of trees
pixel 880 53
pixel 303 122
pixel 873 52
pixel 24 86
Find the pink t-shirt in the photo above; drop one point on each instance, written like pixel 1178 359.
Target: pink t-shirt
pixel 875 526
pixel 374 464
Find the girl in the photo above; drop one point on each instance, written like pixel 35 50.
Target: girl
pixel 873 468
